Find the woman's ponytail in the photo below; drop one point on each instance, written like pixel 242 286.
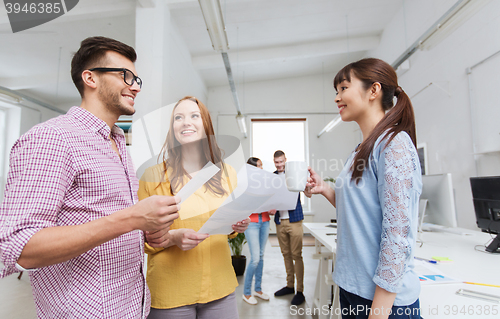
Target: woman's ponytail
pixel 400 118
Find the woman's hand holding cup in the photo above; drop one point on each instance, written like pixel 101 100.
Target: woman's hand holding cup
pixel 315 185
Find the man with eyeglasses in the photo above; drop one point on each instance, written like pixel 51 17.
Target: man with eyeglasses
pixel 70 214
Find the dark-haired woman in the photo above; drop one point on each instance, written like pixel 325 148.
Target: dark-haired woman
pixel 192 275
pixel 256 235
pixel 376 196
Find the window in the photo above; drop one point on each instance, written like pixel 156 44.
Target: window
pixel 288 135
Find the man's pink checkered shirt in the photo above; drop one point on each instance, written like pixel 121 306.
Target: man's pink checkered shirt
pixel 64 172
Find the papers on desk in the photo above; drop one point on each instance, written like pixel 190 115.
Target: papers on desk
pixel 430 275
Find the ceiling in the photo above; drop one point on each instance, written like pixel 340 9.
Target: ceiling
pixel 269 39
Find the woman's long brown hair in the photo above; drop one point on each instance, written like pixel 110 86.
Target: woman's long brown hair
pixel 398 118
pixel 172 152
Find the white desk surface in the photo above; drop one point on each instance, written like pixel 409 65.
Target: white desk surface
pixel 440 301
pixel 320 231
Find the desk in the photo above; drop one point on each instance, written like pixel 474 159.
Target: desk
pixel 436 301
pixel 324 281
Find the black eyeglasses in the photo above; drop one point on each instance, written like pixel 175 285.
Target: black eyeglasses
pixel 128 76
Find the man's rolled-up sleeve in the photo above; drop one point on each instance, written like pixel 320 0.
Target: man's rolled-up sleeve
pixel 40 173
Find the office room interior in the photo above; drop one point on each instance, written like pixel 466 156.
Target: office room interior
pixel 282 56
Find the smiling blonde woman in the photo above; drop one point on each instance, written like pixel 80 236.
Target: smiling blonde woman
pixel 192 275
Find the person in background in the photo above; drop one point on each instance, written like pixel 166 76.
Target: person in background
pixel 256 235
pixel 376 196
pixel 70 215
pixel 192 275
pixel 289 231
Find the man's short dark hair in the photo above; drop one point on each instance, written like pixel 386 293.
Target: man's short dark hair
pixel 92 54
pixel 279 153
pixel 253 161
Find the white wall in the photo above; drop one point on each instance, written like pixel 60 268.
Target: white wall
pixel 165 65
pixel 182 78
pixel 20 118
pixel 32 114
pixel 414 18
pixel 163 60
pixel 442 110
pixel 11 131
pixel 303 97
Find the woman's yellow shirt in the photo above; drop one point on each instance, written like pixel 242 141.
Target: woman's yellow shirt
pixel 178 278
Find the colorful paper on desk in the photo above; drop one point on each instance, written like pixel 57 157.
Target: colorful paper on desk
pixel 430 275
pixel 203 176
pixel 442 259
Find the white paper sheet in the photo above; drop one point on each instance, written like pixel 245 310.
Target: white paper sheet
pixel 231 212
pixel 257 191
pixel 258 181
pixel 203 176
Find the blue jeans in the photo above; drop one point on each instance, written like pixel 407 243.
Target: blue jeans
pixel 355 307
pixel 256 235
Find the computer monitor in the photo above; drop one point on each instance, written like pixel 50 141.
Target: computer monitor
pixel 440 209
pixel 486 197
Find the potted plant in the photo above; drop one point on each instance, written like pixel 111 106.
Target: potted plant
pixel 239 261
pixel 329 179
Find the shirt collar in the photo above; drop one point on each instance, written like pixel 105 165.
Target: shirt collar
pixel 93 122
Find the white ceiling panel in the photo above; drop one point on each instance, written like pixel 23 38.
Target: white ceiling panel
pixel 269 39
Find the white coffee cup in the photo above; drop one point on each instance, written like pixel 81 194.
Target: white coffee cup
pixel 296 175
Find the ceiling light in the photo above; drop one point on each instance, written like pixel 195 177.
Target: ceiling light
pixel 449 22
pixel 214 21
pixel 9 97
pixel 215 24
pixel 241 124
pixel 330 125
pixel 453 19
